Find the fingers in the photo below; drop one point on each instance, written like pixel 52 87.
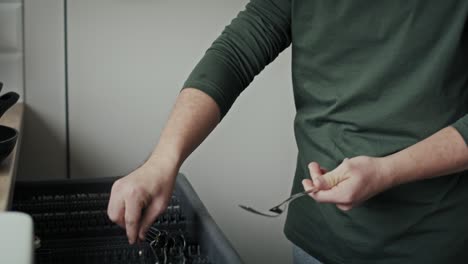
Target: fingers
pixel 316 176
pixel 128 213
pixel 151 213
pixel 332 186
pixel 149 186
pixel 327 196
pixel 324 180
pixel 314 170
pixel 333 195
pixel 133 208
pixel 116 207
pixel 308 184
pixel 115 212
pixel 125 205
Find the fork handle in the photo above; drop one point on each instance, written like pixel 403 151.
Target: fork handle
pixel 295 196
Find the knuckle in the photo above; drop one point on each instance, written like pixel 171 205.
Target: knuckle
pixel 345 161
pixel 349 166
pixel 130 222
pixel 117 185
pixel 134 190
pixel 139 193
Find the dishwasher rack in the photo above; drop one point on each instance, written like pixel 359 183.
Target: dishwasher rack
pixel 71 226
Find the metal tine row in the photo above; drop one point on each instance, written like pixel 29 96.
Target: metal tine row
pixel 156 237
pixel 167 246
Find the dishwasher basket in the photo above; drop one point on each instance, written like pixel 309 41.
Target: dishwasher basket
pixel 71 226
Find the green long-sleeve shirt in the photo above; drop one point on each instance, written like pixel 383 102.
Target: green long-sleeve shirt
pixel 370 78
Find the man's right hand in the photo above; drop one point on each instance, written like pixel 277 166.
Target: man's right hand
pixel 139 198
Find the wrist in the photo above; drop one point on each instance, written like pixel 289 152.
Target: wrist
pixel 165 161
pixel 388 171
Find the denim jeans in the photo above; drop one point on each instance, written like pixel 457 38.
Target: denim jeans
pixel 301 257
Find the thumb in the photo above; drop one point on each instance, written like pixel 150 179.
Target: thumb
pixel 331 179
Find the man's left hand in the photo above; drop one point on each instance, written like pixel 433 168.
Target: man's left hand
pixel 351 183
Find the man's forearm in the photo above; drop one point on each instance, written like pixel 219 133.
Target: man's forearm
pixel 443 153
pixel 193 117
pixel 359 178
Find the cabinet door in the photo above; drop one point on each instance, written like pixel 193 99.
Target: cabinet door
pixel 11 45
pixel 44 148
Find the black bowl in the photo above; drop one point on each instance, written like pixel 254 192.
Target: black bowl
pixel 8 137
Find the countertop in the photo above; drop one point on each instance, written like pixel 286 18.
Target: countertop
pixel 12 118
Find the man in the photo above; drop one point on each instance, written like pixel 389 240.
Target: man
pixel 381 91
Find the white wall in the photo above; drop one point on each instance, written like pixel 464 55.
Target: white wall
pixel 127 61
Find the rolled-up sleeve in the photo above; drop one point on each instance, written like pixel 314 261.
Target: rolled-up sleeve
pixel 252 40
pixel 462 127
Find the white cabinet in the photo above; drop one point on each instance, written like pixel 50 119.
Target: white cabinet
pixel 43 152
pixel 11 45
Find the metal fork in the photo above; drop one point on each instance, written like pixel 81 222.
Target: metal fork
pixel 278 209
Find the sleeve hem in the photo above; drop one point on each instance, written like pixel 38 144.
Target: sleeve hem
pixel 462 128
pixel 212 91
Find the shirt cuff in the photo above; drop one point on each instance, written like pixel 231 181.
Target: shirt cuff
pixel 215 77
pixel 212 91
pixel 462 127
